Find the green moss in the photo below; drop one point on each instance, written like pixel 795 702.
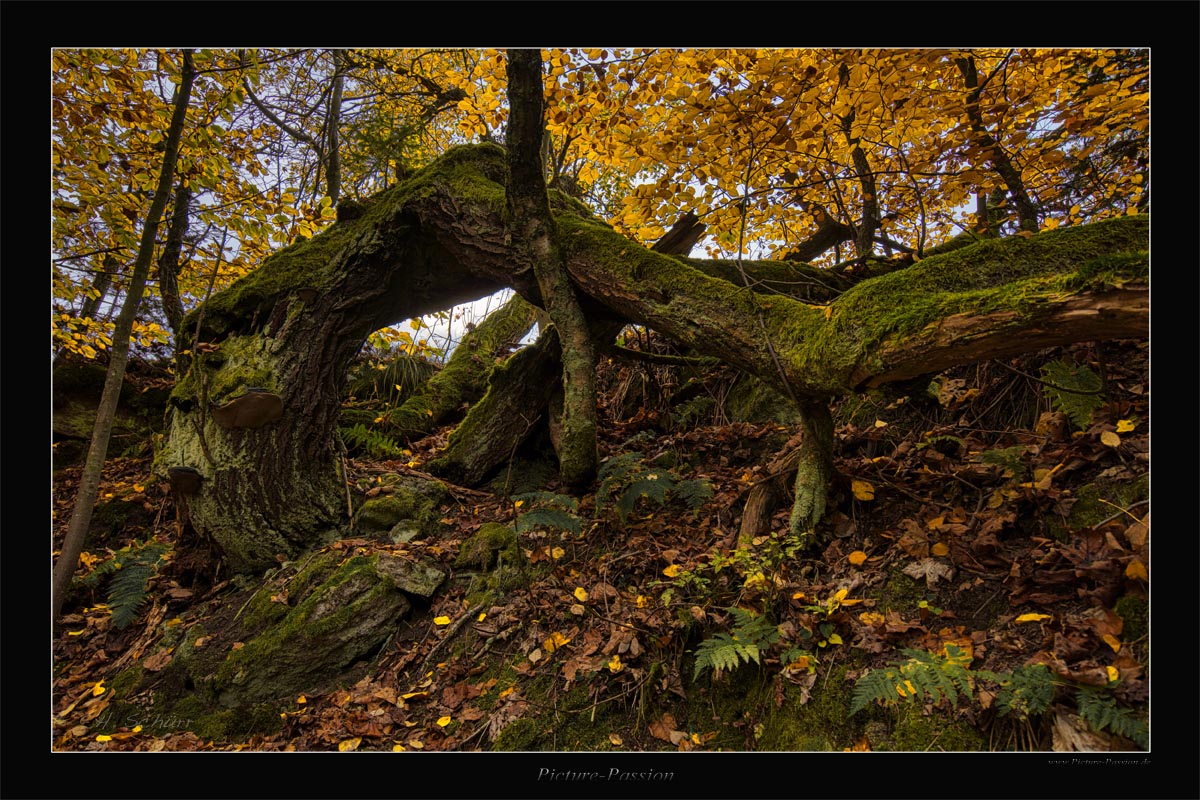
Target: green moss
pixel 521 734
pixel 1098 501
pixel 901 593
pixel 1134 611
pixel 937 732
pixel 493 542
pixel 233 725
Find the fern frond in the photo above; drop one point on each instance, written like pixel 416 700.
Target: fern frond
pixel 562 502
pixel 723 653
pixel 1073 389
pixel 1100 710
pixel 1028 691
pixel 548 518
pixel 373 443
pixel 653 485
pixel 694 493
pixel 924 676
pixel 127 589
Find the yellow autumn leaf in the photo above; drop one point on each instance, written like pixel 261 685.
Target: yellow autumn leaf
pixel 1125 425
pixel 554 641
pixel 614 663
pixel 443 721
pixel 557 553
pixel 858 558
pixel 940 549
pixel 642 601
pixel 301 700
pixel 1136 570
pixel 411 695
pixel 1111 439
pixel 416 744
pixel 871 618
pixel 616 740
pixel 397 748
pixel 442 620
pixel 349 744
pixel 518 503
pixel 1032 617
pixel 581 594
pixel 880 423
pixel 672 570
pixel 1112 642
pixel 98 689
pixel 1114 674
pixel 863 490
pixel 835 638
pixel 482 616
pixel 103 738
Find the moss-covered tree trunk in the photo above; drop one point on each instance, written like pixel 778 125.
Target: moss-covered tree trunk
pixel 269 484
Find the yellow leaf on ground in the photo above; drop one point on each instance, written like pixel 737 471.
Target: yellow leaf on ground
pixel 615 739
pixel 863 490
pixel 557 553
pixel 1125 425
pixel 103 738
pixel 1111 439
pixel 98 689
pixel 614 664
pixel 554 641
pixel 1112 642
pixel 581 594
pixel 1136 570
pixel 442 620
pixel 444 721
pixel 940 549
pixel 672 570
pixel 1032 617
pixel 349 744
pixel 858 558
pixel 1113 674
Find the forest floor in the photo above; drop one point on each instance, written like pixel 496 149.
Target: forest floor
pixel 971 537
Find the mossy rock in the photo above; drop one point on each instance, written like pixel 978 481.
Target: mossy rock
pixel 409 512
pixel 491 543
pixel 305 633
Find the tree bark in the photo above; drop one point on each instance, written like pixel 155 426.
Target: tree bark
pixel 533 227
pixel 168 262
pixel 442 237
pixel 89 484
pixel 996 156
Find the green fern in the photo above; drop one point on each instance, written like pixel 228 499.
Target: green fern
pixel 1075 390
pixel 1008 459
pixel 131 569
pixel 924 676
pixel 1026 692
pixel 630 481
pixel 373 443
pixel 548 510
pixel 724 652
pixel 1100 710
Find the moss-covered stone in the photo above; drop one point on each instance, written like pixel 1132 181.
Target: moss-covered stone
pixel 411 509
pixel 493 542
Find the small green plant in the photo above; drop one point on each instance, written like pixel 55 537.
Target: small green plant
pixel 1073 389
pixel 924 675
pixel 372 443
pixel 1008 459
pixel 547 510
pixel 1100 710
pixel 129 571
pixel 625 480
pixel 752 634
pixel 1027 691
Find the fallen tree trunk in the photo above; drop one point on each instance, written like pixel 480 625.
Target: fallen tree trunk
pixel 269 483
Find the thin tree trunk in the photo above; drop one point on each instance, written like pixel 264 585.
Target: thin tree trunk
pixel 535 230
pixel 1026 211
pixel 168 262
pixel 89 484
pixel 333 168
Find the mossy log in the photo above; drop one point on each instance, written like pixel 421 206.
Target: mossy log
pixel 292 326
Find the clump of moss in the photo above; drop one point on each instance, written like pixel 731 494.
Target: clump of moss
pixel 915 732
pixel 1135 613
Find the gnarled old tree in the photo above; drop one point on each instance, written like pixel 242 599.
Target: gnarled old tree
pixel 251 441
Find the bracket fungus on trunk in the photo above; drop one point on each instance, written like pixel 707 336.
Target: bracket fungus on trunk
pixel 255 408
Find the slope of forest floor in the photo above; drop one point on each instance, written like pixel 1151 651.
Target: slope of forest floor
pixel 979 583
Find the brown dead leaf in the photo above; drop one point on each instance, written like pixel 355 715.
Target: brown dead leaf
pixel 157 661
